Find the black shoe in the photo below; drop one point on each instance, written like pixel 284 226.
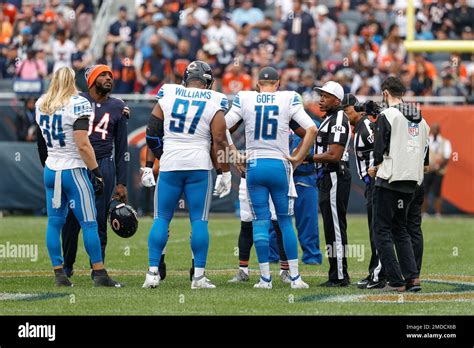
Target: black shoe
pixel 413 285
pixel 380 284
pixel 69 271
pixel 336 283
pixel 61 279
pixel 102 279
pixel 362 284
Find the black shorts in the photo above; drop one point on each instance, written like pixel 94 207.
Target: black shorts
pixel 433 182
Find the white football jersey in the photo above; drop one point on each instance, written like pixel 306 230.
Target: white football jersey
pixel 57 131
pixel 188 113
pixel 267 119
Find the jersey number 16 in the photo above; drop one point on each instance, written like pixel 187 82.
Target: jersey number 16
pixel 264 120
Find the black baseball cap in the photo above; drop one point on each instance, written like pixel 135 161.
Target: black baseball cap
pixel 268 74
pixel 349 99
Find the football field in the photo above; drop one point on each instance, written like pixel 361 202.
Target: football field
pixel 27 283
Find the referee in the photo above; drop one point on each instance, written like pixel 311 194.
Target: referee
pixel 334 179
pixel 400 147
pixel 364 153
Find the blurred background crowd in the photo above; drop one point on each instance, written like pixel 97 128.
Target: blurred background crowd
pixel 357 43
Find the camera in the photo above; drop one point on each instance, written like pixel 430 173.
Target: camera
pixel 369 107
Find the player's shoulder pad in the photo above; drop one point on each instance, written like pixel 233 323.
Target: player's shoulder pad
pixel 296 98
pixel 221 100
pixel 163 91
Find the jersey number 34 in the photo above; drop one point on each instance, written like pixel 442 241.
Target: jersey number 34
pixel 52 130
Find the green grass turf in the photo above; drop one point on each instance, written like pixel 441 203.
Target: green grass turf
pixel 449 246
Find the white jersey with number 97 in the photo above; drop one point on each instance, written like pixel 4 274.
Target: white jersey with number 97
pixel 58 133
pixel 188 113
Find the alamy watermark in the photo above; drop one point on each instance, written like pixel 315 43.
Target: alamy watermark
pixel 356 251
pixel 20 251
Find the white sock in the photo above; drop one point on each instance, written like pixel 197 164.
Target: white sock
pixel 153 269
pixel 265 269
pixel 245 269
pixel 293 268
pixel 198 271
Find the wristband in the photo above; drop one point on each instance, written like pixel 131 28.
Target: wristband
pixel 149 164
pixel 97 172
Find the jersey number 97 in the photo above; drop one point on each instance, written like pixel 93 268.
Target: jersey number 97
pixel 180 111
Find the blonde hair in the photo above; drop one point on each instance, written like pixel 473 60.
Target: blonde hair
pixel 61 89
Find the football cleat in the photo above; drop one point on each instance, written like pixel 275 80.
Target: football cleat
pixel 285 276
pixel 298 283
pixel 151 281
pixel 102 279
pixel 241 276
pixel 264 283
pixel 61 279
pixel 202 283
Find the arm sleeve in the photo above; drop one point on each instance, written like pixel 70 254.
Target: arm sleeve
pixel 235 113
pixel 427 156
pixel 121 149
pixel 381 139
pixel 42 148
pixel 294 125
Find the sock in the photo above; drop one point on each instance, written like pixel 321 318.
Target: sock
pixel 293 268
pixel 91 241
pixel 153 269
pixel 162 259
pixel 284 266
pixel 289 238
pixel 199 242
pixel 53 240
pixel 244 266
pixel 157 240
pixel 245 240
pixel 261 239
pixel 265 270
pixel 198 272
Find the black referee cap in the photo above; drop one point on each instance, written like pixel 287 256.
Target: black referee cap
pixel 268 74
pixel 349 99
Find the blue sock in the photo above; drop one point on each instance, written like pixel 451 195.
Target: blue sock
pixel 53 240
pixel 290 242
pixel 92 241
pixel 157 240
pixel 261 239
pixel 200 242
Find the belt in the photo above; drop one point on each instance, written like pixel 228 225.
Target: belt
pixel 338 167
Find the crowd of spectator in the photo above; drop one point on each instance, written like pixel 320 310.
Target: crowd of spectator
pixel 356 43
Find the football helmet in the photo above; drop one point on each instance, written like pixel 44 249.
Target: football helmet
pixel 199 70
pixel 122 218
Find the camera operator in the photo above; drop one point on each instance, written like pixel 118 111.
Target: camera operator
pixel 357 114
pixel 401 139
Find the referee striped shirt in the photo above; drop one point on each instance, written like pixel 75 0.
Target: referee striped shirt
pixel 335 129
pixel 364 146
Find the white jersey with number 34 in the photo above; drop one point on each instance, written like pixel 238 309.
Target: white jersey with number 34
pixel 58 133
pixel 267 119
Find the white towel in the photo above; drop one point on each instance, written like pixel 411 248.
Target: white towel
pixel 57 190
pixel 292 188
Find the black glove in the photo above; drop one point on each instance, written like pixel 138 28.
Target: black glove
pixel 97 181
